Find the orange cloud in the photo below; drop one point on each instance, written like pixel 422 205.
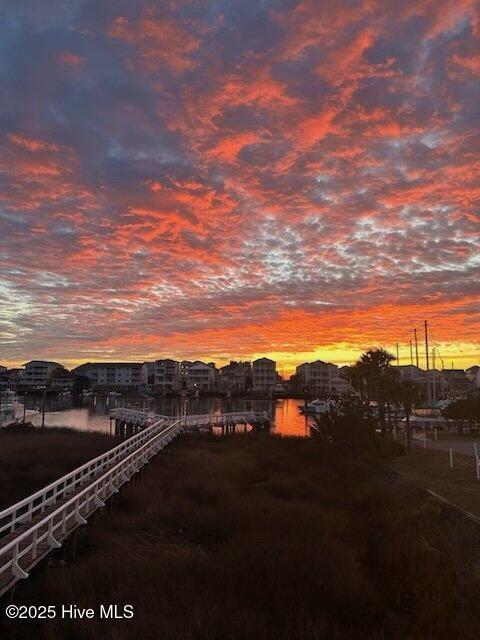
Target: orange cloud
pixel 158 41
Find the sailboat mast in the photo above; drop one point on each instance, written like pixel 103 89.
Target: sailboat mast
pixel 427 363
pixel 411 360
pixel 416 347
pixel 433 379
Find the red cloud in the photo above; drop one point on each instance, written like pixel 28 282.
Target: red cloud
pixel 158 41
pixel 71 60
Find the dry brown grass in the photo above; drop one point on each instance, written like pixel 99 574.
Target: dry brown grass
pixel 431 469
pixel 254 537
pixel 29 461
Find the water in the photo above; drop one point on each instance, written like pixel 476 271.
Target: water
pixel 92 414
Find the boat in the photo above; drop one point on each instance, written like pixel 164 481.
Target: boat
pixel 320 407
pixel 425 422
pixel 87 394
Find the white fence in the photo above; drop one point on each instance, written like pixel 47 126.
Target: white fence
pixel 90 485
pixel 26 509
pixel 206 419
pixel 47 533
pixel 209 419
pixel 138 417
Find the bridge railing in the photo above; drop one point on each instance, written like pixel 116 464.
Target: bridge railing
pixel 134 415
pixel 72 513
pixel 206 419
pixel 24 510
pixel 100 478
pixel 212 419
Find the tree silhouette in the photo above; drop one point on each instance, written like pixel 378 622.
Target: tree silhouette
pixel 372 375
pixel 408 394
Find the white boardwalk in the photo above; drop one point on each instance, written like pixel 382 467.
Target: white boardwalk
pixel 36 525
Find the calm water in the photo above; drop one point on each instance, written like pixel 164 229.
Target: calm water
pixel 93 412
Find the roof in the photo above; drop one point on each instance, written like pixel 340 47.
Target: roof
pixel 198 363
pixel 264 360
pixel 43 362
pixel 407 366
pixel 89 365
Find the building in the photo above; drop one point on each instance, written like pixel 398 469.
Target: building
pixel 62 380
pixel 126 375
pixel 322 378
pixel 38 373
pixel 166 375
pixel 148 373
pixel 198 375
pixel 473 374
pixel 4 379
pixel 437 384
pixel 458 382
pixel 409 372
pixel 236 376
pixel 5 382
pixel 264 374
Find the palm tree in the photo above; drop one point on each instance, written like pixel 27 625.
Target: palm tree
pixel 376 374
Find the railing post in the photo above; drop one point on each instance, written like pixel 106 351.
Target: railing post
pixel 34 543
pixel 51 540
pixel 17 570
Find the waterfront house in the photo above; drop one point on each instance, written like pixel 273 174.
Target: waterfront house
pixel 166 375
pixel 321 378
pixel 235 376
pixel 38 373
pixel 264 374
pixel 61 380
pixel 198 375
pixel 125 375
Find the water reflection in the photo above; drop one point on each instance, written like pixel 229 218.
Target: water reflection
pixel 92 412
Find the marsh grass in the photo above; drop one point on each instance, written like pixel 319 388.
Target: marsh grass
pixel 29 461
pixel 267 538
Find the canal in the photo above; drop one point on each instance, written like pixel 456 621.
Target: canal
pixel 92 412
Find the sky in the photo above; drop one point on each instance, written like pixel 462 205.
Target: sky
pixel 226 179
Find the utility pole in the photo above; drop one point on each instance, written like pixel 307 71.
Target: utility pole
pixel 416 346
pixel 398 356
pixel 427 363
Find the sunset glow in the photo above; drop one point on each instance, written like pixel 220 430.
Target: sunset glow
pixel 196 179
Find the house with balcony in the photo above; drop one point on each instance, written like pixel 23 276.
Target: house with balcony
pixel 111 375
pixel 235 376
pixel 264 374
pixel 38 373
pixel 166 375
pixel 198 375
pixel 322 378
pixel 62 380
